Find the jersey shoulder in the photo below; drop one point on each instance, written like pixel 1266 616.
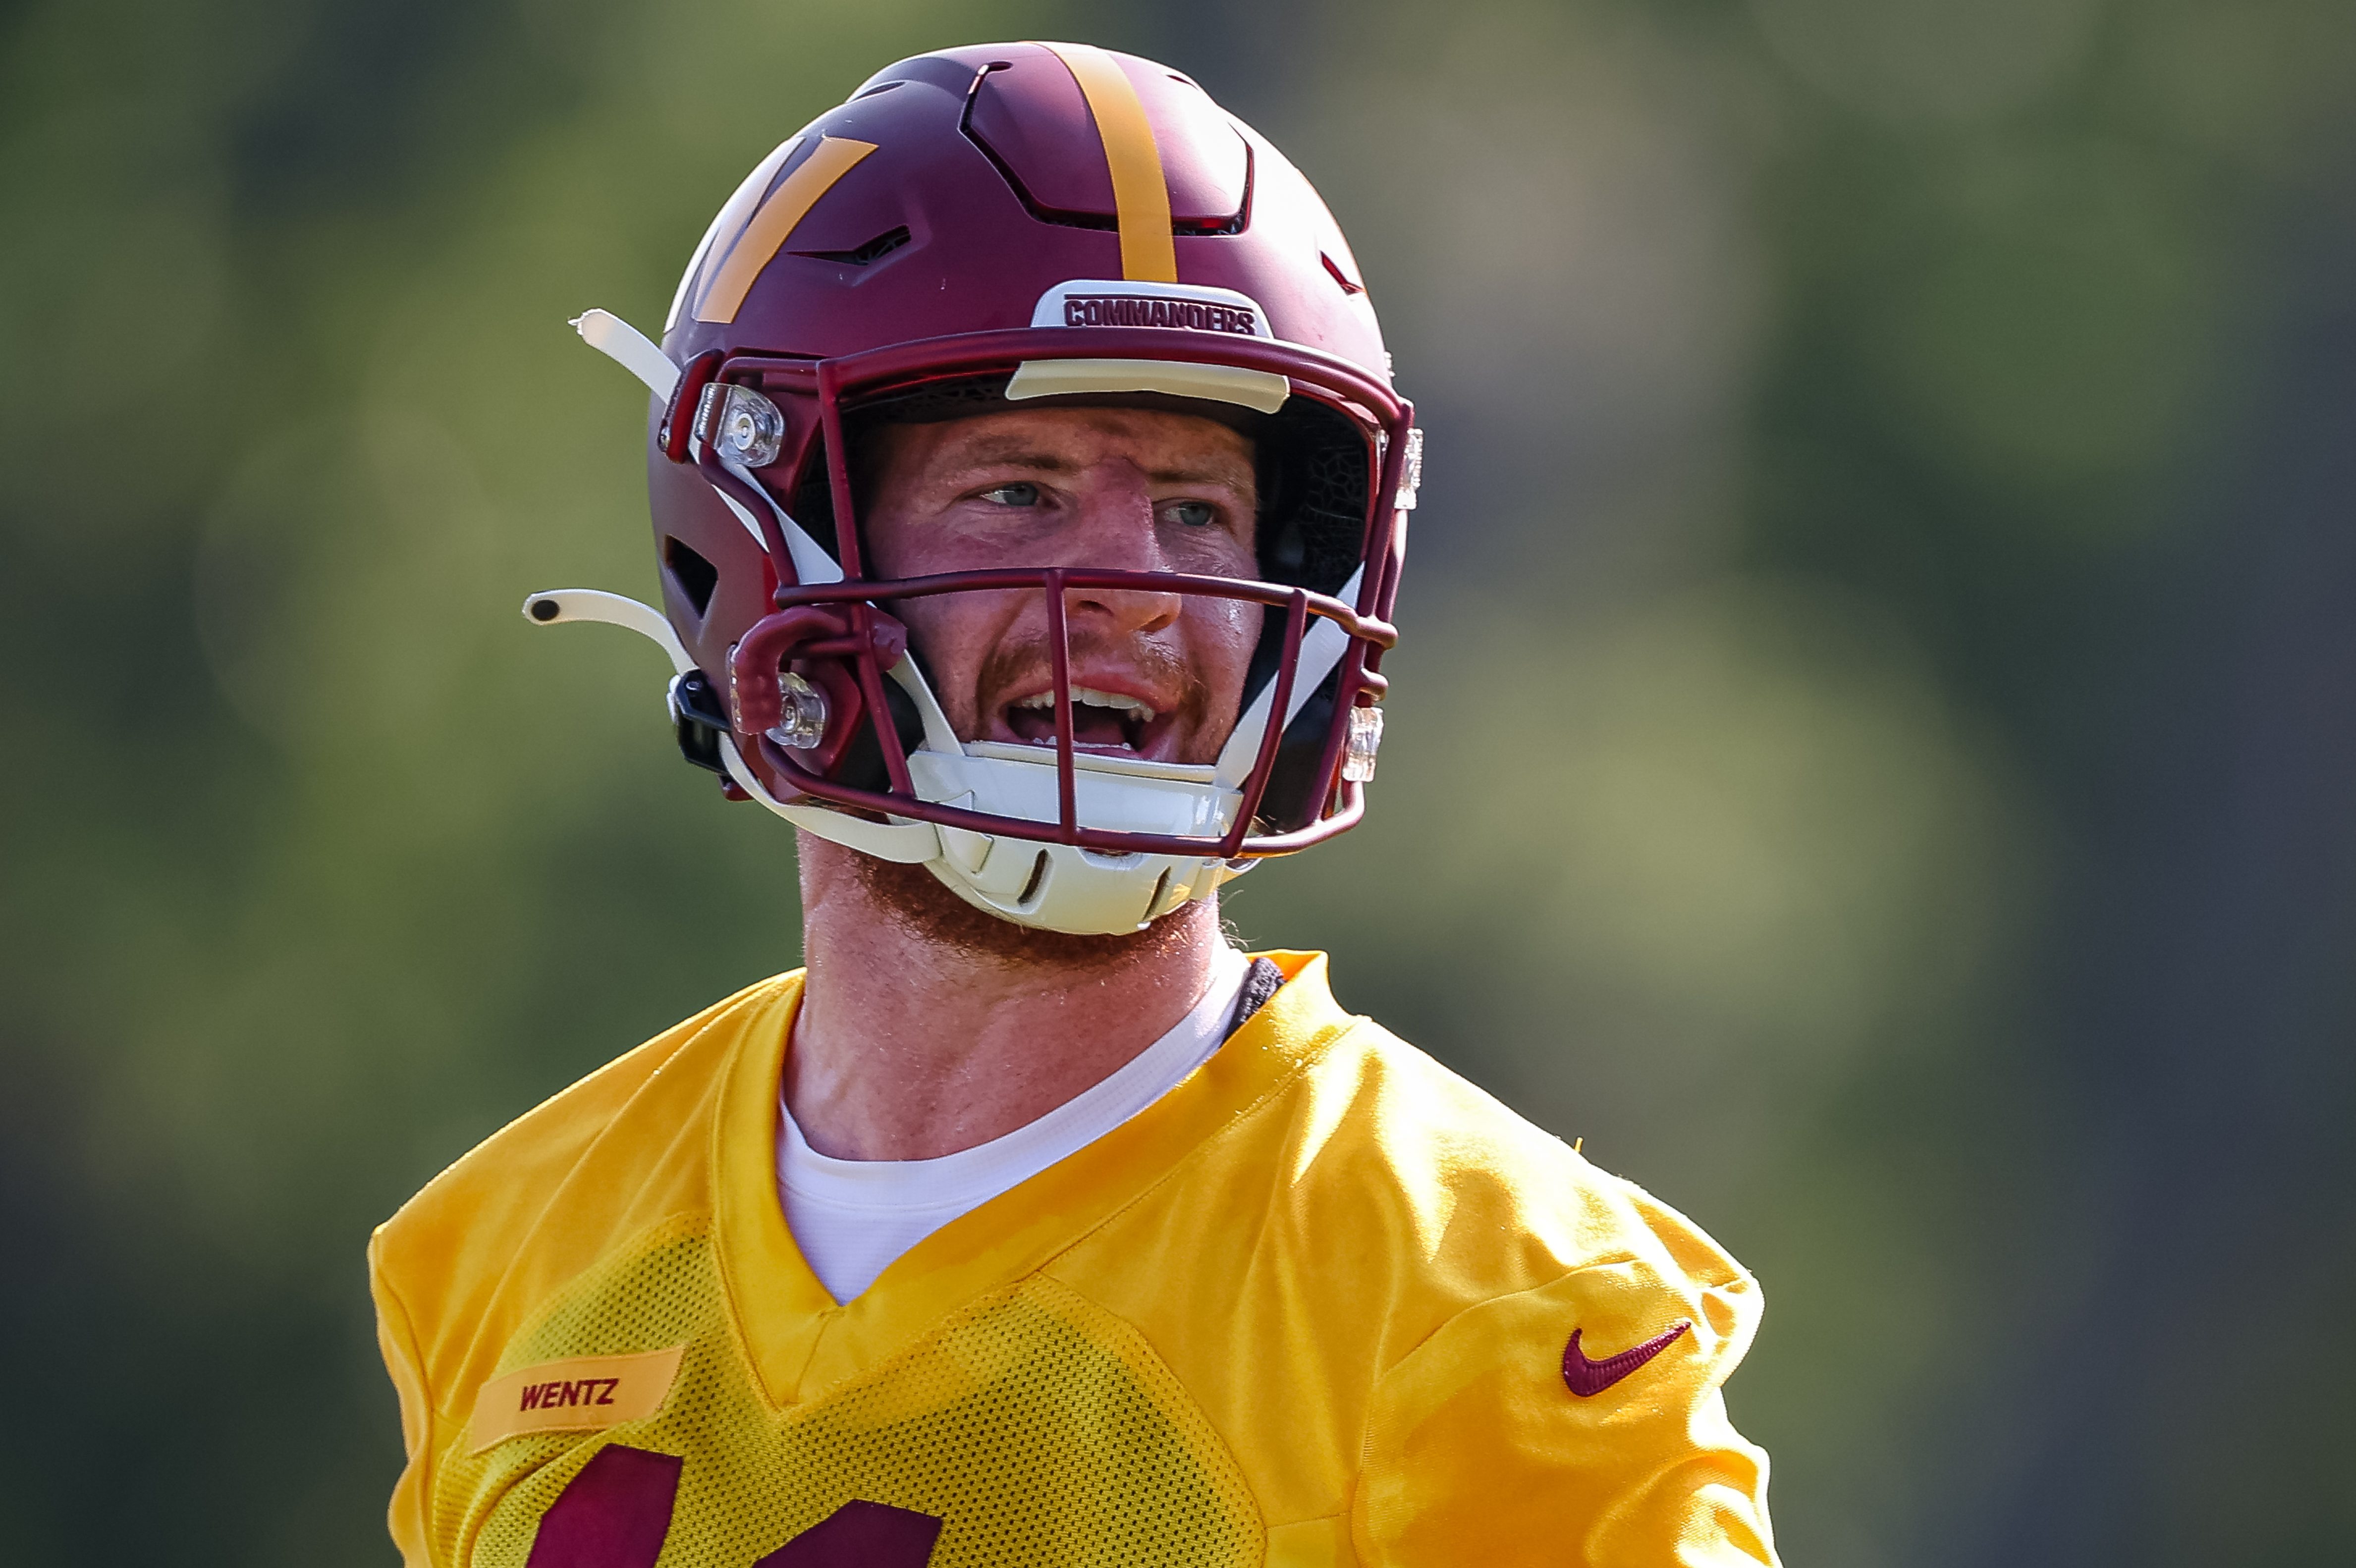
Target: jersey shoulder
pixel 1462 1318
pixel 1492 1198
pixel 1569 1337
pixel 1367 1172
pixel 620 1151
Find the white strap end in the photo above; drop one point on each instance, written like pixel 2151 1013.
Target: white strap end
pixel 558 606
pixel 627 347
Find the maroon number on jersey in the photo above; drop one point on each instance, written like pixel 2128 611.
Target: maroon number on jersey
pixel 614 1514
pixel 860 1535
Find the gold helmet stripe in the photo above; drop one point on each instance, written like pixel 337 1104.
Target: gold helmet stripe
pixel 1141 195
pixel 828 162
pixel 725 226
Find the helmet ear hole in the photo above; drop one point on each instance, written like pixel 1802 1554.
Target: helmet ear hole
pixel 695 577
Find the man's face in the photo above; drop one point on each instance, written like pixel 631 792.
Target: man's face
pixel 1155 674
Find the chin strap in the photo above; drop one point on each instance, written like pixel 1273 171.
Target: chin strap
pixel 910 843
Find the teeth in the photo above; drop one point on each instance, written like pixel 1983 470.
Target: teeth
pixel 1094 698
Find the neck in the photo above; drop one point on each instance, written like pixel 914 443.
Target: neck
pixel 927 1026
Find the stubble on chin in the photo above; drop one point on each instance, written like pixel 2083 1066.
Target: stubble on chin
pixel 918 902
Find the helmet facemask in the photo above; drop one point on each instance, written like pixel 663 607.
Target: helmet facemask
pixel 829 703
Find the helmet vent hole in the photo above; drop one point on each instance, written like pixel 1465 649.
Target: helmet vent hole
pixel 883 245
pixel 1335 268
pixel 695 576
pixel 1038 875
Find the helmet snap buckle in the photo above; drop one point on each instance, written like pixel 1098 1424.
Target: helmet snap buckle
pixel 740 423
pixel 801 722
pixel 1410 470
pixel 1366 739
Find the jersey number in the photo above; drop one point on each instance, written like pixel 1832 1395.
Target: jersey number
pixel 615 1512
pixel 860 1535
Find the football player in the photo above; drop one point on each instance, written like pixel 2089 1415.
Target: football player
pixel 1029 496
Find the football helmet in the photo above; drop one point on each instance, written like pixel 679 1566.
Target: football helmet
pixel 1005 227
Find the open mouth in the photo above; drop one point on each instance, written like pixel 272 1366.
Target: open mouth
pixel 1101 720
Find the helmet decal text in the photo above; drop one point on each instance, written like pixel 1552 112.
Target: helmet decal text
pixel 1115 310
pixel 1101 302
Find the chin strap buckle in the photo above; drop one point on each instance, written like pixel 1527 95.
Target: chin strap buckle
pixel 791 684
pixel 698 721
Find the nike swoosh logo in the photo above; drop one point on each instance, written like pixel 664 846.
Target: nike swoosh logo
pixel 1586 1379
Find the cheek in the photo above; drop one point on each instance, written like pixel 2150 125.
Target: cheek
pixel 1215 552
pixel 897 542
pixel 955 633
pixel 1222 635
pixel 942 632
pixel 889 549
pixel 898 545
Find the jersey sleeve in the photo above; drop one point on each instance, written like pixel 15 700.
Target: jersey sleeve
pixel 397 1342
pixel 1499 1441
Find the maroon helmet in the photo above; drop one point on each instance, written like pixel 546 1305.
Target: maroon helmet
pixel 996 228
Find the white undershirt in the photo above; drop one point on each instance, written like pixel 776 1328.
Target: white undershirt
pixel 851 1217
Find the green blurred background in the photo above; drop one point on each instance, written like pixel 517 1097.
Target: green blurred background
pixel 1873 752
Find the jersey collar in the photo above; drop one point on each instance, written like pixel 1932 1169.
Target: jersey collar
pixel 802 1343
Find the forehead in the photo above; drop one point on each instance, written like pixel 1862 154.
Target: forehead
pixel 1067 438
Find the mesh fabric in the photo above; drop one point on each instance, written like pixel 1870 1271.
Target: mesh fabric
pixel 1039 1428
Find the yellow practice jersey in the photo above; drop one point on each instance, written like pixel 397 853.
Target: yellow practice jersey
pixel 1323 1303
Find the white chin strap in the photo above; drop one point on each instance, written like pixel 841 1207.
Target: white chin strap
pixel 1051 887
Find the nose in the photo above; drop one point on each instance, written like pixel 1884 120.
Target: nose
pixel 1129 612
pixel 1115 531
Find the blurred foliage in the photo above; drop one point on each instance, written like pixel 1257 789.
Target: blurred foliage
pixel 1871 751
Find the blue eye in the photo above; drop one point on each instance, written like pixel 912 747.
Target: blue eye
pixel 1021 493
pixel 1193 514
